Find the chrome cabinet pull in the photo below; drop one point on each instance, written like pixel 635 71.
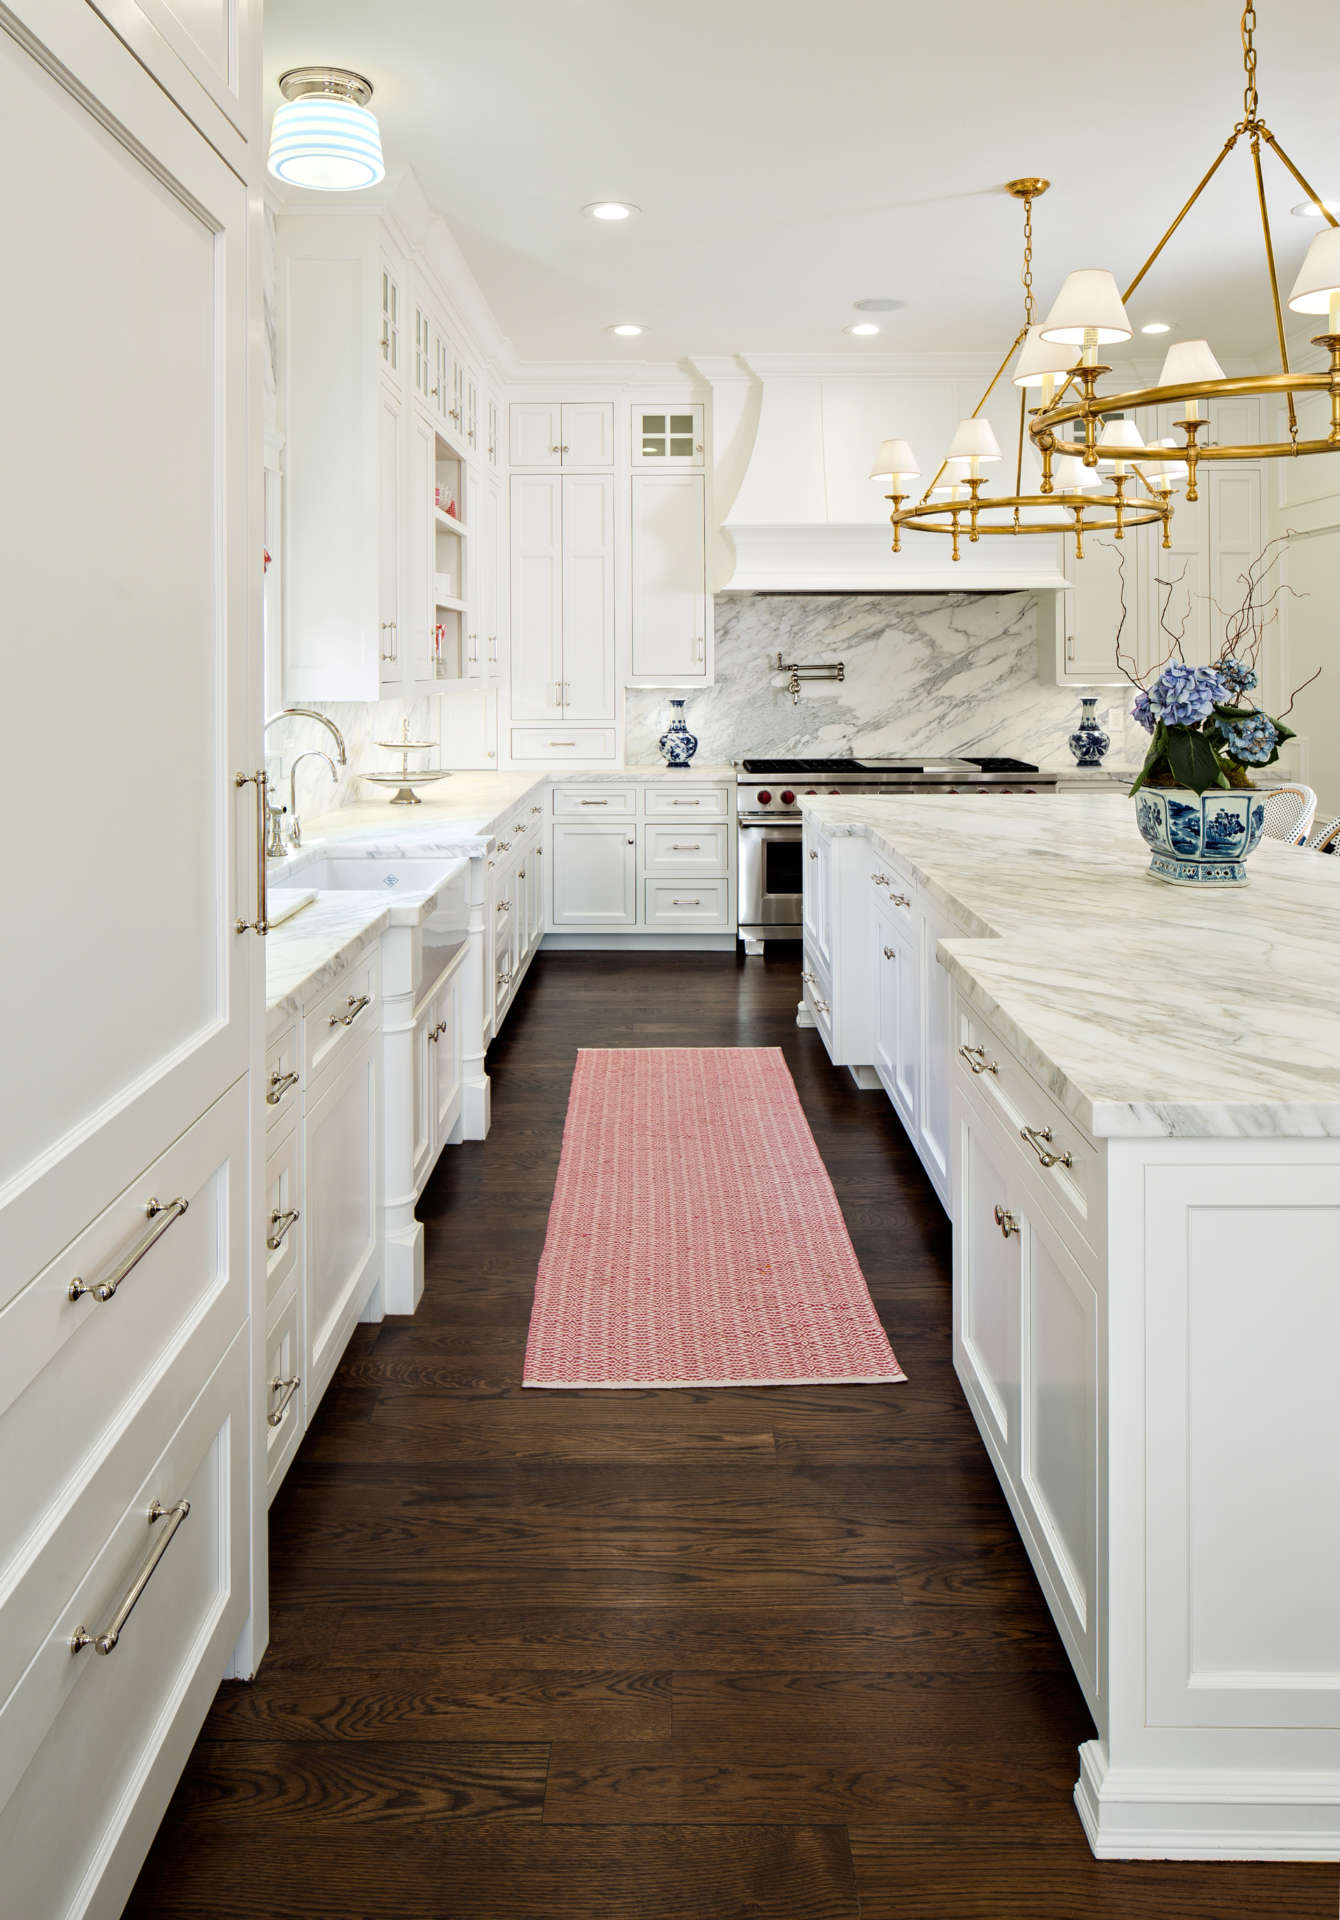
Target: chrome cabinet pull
pixel 814 853
pixel 355 1007
pixel 520 828
pixel 977 1060
pixel 686 803
pixel 593 803
pixel 1039 1138
pixel 686 846
pixel 438 1030
pixel 686 903
pixel 261 924
pixel 537 809
pixel 1006 1221
pixel 505 977
pixel 881 879
pixel 105 1642
pixel 279 1086
pixel 281 1221
pixel 503 906
pixel 900 900
pixel 505 845
pixel 288 1388
pixel 562 743
pixel 890 953
pixel 162 1214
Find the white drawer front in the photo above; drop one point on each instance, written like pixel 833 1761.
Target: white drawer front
pixel 687 906
pixel 79 1727
pixel 1066 1163
pixel 892 894
pixel 593 803
pixel 343 1018
pixel 282 1399
pixel 70 1368
pixel 283 1218
pixel 667 802
pixel 816 988
pixel 559 743
pixel 690 848
pixel 283 1092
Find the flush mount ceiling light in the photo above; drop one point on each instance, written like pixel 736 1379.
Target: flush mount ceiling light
pixel 862 329
pixel 324 137
pixel 610 210
pixel 626 329
pixel 1156 326
pixel 1070 501
pixel 1089 312
pixel 1315 209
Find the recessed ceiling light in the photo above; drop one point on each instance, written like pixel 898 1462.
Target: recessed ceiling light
pixel 878 306
pixel 861 328
pixel 1156 326
pixel 610 210
pixel 1310 210
pixel 626 328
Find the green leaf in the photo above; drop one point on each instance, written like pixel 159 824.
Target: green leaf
pixel 1193 760
pixel 1285 733
pixel 1152 758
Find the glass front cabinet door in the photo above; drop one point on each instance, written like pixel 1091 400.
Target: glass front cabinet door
pixel 667 436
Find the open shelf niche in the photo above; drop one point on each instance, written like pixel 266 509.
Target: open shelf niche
pixel 450 536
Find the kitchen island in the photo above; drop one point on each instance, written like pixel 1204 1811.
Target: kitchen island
pixel 1128 1096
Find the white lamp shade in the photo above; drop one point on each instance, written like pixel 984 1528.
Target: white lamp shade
pixel 1187 361
pixel 895 457
pixel 1038 358
pixel 1122 437
pixel 1070 475
pixel 1319 277
pixel 974 441
pixel 952 482
pixel 1164 475
pixel 326 143
pixel 1088 302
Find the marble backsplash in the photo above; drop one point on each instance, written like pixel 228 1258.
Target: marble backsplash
pixel 362 725
pixel 946 673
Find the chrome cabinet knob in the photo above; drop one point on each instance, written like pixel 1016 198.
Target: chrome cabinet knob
pixel 1006 1221
pixel 977 1060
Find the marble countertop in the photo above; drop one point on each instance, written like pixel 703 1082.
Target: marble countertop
pixel 306 953
pixel 1145 1009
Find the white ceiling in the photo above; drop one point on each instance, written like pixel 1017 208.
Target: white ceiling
pixel 792 158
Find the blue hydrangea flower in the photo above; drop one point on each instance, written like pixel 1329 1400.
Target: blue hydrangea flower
pixel 1252 741
pixel 1183 696
pixel 1142 711
pixel 1236 675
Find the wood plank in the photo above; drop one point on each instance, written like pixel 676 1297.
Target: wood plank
pixel 422 1699
pixel 510 1873
pixel 342 1784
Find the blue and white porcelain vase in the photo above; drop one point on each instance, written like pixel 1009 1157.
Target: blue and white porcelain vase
pixel 1088 742
pixel 677 743
pixel 1200 839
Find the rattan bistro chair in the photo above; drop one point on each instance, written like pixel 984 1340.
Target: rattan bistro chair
pixel 1327 838
pixel 1290 812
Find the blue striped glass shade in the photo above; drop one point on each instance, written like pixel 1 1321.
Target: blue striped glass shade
pixel 326 143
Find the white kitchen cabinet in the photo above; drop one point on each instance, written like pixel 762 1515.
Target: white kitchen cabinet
pixel 390 418
pixel 667 436
pixel 935 1023
pixel 492 448
pixel 594 875
pixel 1089 612
pixel 552 433
pixel 562 598
pixel 988 1284
pixel 898 1037
pixel 142 365
pixel 670 603
pixel 469 728
pixel 487 557
pixel 281 1400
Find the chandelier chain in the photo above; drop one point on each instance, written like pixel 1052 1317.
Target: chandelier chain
pixel 1027 275
pixel 1250 99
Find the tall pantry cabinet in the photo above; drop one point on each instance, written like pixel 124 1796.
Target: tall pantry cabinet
pixel 131 1569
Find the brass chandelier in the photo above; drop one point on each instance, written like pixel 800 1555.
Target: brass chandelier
pixel 1089 313
pixel 1073 499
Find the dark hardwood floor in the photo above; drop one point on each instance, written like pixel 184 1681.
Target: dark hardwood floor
pixel 654 1656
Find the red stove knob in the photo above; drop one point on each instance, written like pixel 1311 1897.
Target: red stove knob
pixel 788 798
pixel 837 791
pixel 764 798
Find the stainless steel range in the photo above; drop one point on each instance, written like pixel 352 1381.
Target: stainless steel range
pixel 769 798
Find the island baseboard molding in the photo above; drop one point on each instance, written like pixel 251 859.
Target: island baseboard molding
pixel 1172 1814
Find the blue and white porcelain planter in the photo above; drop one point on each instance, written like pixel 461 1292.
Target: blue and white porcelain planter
pixel 677 743
pixel 1200 839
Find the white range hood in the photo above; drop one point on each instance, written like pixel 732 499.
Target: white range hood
pixel 794 438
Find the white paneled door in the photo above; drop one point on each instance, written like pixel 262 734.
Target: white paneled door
pixel 588 596
pixel 128 629
pixel 669 578
pixel 537 596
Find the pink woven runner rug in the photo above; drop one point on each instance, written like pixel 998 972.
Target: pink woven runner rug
pixel 694 1238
